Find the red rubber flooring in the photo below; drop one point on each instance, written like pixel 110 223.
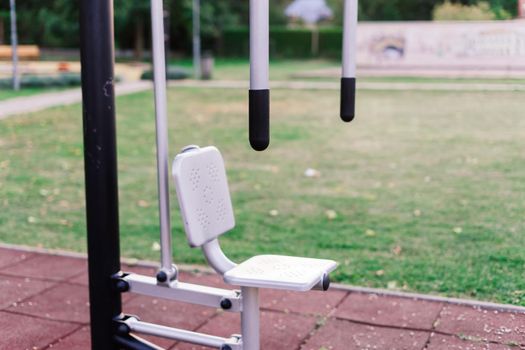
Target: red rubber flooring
pixel 44 305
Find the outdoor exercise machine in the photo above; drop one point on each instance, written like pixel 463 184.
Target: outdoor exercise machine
pixel 202 192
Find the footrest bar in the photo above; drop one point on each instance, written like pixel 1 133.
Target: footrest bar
pixel 233 343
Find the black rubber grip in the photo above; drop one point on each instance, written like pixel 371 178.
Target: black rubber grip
pixel 347 99
pixel 259 127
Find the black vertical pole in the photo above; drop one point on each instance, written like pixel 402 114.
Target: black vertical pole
pixel 100 161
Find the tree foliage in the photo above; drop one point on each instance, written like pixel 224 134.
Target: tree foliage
pixel 54 23
pixel 476 12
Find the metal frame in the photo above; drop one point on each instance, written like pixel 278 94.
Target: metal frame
pixel 161 121
pixel 250 318
pixel 229 300
pixel 110 329
pixel 100 159
pixel 135 325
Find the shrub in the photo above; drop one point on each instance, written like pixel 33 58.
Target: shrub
pixel 481 11
pixel 173 73
pixel 285 42
pixel 39 81
pixel 292 43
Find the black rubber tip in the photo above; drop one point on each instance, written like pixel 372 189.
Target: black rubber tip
pixel 326 282
pixel 162 276
pixel 123 329
pixel 122 286
pixel 259 124
pixel 226 304
pixel 347 99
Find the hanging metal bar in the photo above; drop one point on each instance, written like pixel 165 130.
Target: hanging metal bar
pixel 259 94
pixel 348 80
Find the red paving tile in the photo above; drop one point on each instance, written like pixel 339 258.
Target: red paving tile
pixel 289 320
pixel 389 311
pixel 82 279
pixel 20 332
pixel 312 303
pixel 48 267
pixel 501 327
pixel 207 279
pixel 344 335
pixel 168 313
pixel 64 302
pixel 11 257
pixel 279 331
pixel 443 342
pixel 79 340
pixel 15 289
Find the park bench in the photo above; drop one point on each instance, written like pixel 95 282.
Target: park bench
pixel 25 52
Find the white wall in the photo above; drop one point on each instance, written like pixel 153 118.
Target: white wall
pixel 454 45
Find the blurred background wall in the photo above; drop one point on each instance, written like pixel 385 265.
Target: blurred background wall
pixel 54 23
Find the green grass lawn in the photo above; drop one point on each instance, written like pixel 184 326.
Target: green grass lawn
pixel 428 187
pixel 239 69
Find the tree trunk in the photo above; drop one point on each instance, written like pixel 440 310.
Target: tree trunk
pixel 139 39
pixel 2 31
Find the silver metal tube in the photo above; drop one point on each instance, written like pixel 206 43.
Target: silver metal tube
pixel 250 318
pixel 197 39
pixel 185 292
pixel 159 71
pixel 216 258
pixel 14 46
pixel 349 38
pixel 259 44
pixel 174 333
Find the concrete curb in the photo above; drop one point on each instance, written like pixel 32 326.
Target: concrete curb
pixel 335 286
pixel 433 298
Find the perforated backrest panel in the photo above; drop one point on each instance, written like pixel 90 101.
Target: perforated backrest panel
pixel 203 194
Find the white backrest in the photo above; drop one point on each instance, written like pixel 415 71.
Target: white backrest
pixel 203 194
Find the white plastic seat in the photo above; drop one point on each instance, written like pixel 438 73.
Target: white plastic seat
pixel 207 213
pixel 280 272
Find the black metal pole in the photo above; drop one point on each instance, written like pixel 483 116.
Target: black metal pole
pixel 100 161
